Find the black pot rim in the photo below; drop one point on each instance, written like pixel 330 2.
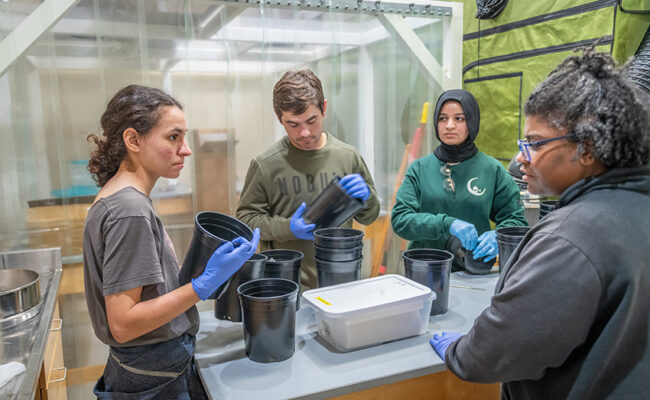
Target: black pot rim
pixel 282 281
pixel 512 232
pixel 270 254
pixel 323 233
pixel 234 222
pixel 407 254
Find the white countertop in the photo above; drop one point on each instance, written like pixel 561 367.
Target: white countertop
pixel 317 370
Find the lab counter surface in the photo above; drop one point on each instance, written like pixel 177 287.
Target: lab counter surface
pixel 26 341
pixel 317 370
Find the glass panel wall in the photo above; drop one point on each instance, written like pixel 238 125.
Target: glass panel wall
pixel 221 61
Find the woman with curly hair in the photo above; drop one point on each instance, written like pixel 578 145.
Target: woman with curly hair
pixel 570 314
pixel 135 301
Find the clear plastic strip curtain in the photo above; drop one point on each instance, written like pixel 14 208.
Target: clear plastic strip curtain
pixel 221 60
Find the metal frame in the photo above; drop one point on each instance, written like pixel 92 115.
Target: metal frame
pixel 31 29
pixel 405 8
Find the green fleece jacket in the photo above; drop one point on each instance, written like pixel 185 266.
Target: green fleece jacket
pixel 424 210
pixel 282 177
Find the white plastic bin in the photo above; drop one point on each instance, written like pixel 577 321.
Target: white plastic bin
pixel 370 311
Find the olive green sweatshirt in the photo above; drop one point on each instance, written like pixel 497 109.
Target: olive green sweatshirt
pixel 282 177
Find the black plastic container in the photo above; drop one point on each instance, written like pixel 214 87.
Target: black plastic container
pixel 431 268
pixel 332 207
pixel 546 207
pixel 227 305
pixel 211 230
pixel 285 264
pixel 332 273
pixel 465 258
pixel 269 318
pixel 326 254
pixel 507 240
pixel 338 238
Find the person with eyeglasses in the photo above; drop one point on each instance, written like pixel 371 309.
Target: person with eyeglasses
pixel 458 190
pixel 570 318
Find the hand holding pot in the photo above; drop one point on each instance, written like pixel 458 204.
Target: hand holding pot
pixel 440 343
pixel 355 186
pixel 224 262
pixel 486 246
pixel 299 227
pixel 466 232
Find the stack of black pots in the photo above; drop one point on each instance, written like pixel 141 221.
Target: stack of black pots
pixel 338 255
pixel 546 207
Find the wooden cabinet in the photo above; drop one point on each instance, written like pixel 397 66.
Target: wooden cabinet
pixel 215 173
pixel 441 386
pixel 51 383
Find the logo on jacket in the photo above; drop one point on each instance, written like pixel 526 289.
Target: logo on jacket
pixel 473 189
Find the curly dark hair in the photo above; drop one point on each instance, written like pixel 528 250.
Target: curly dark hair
pixel 135 106
pixel 296 91
pixel 591 97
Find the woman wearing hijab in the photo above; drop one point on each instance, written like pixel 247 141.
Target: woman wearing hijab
pixel 457 190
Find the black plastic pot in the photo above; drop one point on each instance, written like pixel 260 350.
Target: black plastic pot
pixel 325 254
pixel 211 230
pixel 227 305
pixel 332 207
pixel 332 273
pixel 546 207
pixel 431 268
pixel 507 240
pixel 269 318
pixel 465 258
pixel 285 264
pixel 338 238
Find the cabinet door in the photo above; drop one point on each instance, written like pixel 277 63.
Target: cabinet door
pixel 54 372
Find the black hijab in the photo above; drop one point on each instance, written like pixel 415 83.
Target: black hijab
pixel 467 149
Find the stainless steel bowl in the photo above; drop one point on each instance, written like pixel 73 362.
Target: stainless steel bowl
pixel 20 296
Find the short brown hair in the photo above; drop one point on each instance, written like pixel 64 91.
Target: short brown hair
pixel 296 91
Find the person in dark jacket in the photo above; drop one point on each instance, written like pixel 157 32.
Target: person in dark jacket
pixel 570 314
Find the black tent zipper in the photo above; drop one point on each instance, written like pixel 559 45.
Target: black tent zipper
pixel 596 5
pixel 536 52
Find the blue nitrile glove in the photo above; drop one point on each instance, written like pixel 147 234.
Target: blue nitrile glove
pixel 441 342
pixel 299 227
pixel 486 246
pixel 355 186
pixel 466 232
pixel 224 262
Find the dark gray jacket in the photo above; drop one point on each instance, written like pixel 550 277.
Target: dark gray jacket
pixel 570 316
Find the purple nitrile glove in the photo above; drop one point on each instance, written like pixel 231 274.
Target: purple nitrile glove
pixel 299 227
pixel 466 232
pixel 224 262
pixel 441 342
pixel 487 246
pixel 355 186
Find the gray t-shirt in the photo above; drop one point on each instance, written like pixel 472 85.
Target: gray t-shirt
pixel 125 246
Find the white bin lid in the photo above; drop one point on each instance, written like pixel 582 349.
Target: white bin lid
pixel 365 294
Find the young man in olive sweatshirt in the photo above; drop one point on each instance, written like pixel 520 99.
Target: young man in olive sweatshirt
pixel 289 175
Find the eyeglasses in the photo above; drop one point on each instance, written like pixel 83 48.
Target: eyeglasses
pixel 448 183
pixel 529 149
